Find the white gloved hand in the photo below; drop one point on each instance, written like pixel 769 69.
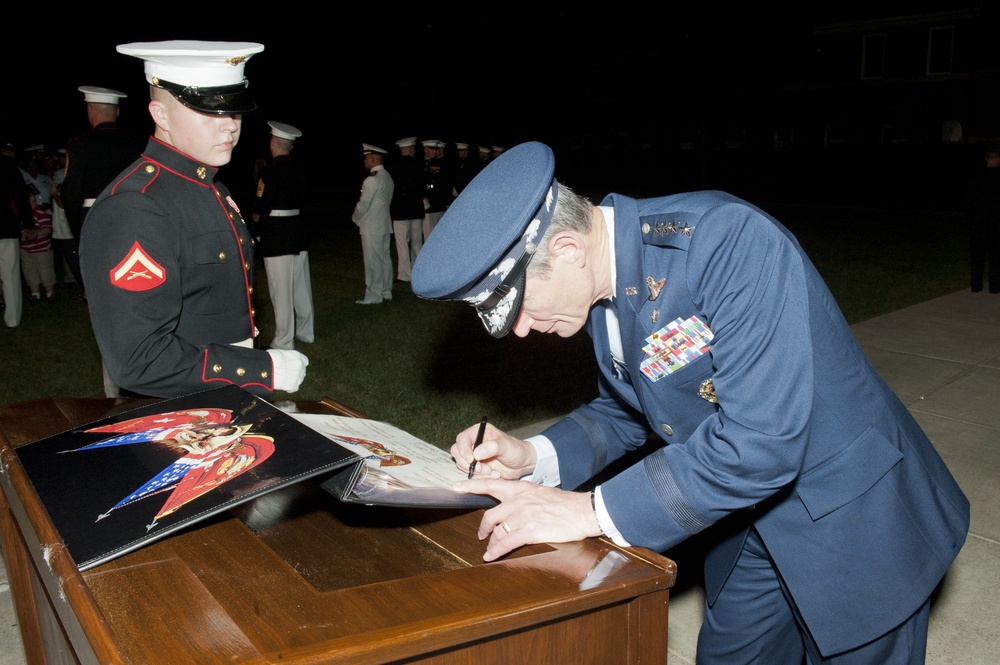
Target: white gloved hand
pixel 289 368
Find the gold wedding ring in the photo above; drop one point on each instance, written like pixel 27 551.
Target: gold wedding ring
pixel 504 526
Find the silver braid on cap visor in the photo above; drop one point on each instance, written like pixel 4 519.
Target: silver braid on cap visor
pixel 510 269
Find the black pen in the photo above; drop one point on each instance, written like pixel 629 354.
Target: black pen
pixel 479 439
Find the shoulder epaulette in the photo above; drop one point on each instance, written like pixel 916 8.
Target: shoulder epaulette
pixel 137 178
pixel 674 229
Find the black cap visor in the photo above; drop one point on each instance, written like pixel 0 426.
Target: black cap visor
pixel 221 100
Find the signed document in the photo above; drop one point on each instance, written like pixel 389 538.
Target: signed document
pixel 397 468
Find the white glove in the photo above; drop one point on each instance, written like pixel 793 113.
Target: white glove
pixel 289 368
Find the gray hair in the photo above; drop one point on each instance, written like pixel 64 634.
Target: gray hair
pixel 573 212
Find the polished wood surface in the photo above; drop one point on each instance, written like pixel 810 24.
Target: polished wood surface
pixel 298 577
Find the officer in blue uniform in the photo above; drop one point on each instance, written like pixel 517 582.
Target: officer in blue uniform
pixel 165 251
pixel 834 517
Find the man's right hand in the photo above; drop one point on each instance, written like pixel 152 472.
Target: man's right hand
pixel 289 368
pixel 500 455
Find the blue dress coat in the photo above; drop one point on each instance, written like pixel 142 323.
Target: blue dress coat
pixel 806 442
pixel 172 326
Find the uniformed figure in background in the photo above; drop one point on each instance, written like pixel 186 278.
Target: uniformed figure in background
pixel 485 156
pixel 437 184
pixel 374 221
pixel 829 516
pixel 279 224
pixel 15 217
pixel 466 167
pixel 407 207
pixel 93 159
pixel 165 252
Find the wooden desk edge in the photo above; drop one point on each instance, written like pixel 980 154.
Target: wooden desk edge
pixel 93 639
pixel 67 591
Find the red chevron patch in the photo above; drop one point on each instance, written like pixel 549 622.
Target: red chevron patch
pixel 138 271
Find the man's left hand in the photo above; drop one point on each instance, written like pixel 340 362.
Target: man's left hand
pixel 530 513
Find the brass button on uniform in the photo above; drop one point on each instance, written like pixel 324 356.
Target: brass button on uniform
pixel 246 266
pixel 645 229
pixel 263 374
pixel 222 256
pixel 667 429
pixel 240 371
pixel 216 368
pixel 250 290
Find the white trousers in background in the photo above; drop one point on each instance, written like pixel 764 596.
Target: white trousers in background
pixel 378 267
pixel 430 221
pixel 409 239
pixel 290 287
pixel 10 275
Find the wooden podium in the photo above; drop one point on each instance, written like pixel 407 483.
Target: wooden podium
pixel 297 577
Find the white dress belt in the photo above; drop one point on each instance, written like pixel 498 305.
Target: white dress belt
pixel 88 202
pixel 284 213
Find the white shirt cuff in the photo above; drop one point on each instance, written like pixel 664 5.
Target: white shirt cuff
pixel 547 473
pixel 604 520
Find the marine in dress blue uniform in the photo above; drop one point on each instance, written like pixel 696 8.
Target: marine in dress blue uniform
pixel 437 184
pixel 279 223
pixel 407 207
pixel 95 158
pixel 166 253
pixel 833 517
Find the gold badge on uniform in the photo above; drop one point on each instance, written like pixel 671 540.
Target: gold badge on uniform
pixel 656 315
pixel 201 172
pixel 655 286
pixel 630 291
pixel 706 391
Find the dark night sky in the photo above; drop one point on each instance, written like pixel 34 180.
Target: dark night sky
pixel 488 74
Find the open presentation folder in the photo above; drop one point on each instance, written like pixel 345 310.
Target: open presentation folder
pixel 127 480
pixel 398 470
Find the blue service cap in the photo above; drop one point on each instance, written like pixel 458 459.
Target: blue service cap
pixel 479 250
